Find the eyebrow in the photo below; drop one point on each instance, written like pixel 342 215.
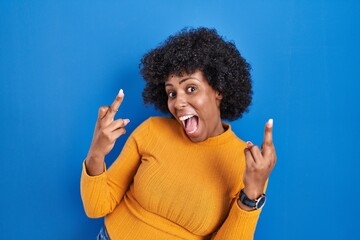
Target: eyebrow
pixel 183 80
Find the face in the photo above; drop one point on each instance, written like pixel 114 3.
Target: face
pixel 195 104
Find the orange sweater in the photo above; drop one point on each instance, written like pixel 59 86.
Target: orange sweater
pixel 163 186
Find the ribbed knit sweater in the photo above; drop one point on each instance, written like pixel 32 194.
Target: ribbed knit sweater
pixel 163 186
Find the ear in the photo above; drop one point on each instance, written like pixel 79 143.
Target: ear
pixel 219 96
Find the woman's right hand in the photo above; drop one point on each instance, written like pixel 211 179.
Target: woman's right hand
pixel 107 130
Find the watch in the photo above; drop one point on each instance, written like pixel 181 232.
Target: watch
pixel 254 204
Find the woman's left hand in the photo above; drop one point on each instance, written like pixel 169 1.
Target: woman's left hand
pixel 259 164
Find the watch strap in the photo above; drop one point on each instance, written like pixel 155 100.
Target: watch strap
pixel 255 204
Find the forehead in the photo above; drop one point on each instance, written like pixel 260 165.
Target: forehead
pixel 176 79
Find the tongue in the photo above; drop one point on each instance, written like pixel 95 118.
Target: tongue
pixel 191 124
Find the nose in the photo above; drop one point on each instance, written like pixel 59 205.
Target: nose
pixel 180 101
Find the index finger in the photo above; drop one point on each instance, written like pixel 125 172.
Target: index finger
pixel 114 107
pixel 268 139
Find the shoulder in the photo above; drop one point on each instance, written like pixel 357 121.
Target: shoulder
pixel 155 130
pixel 160 122
pixel 157 125
pixel 232 138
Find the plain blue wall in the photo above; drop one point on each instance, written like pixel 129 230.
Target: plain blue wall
pixel 61 60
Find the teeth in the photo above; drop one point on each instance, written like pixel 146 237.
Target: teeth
pixel 183 118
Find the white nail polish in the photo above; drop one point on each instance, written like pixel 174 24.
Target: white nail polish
pixel 121 93
pixel 270 122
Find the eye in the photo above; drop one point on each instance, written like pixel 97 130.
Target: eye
pixel 171 94
pixel 191 89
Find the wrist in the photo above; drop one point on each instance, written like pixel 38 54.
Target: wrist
pixel 94 158
pixel 253 192
pixel 94 164
pixel 252 204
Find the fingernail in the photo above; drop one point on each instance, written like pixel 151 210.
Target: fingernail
pixel 270 123
pixel 126 121
pixel 249 143
pixel 121 93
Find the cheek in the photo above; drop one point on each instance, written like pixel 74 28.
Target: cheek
pixel 201 101
pixel 202 104
pixel 205 103
pixel 209 106
pixel 170 107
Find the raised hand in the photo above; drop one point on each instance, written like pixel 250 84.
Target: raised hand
pixel 259 163
pixel 107 130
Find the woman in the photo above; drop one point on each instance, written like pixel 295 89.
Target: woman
pixel 189 176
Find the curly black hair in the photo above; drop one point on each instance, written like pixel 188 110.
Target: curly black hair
pixel 201 49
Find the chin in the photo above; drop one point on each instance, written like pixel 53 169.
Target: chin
pixel 197 139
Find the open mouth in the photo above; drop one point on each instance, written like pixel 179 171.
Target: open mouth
pixel 190 123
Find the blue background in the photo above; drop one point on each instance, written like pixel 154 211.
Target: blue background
pixel 61 60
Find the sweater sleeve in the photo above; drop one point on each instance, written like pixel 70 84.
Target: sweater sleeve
pixel 101 194
pixel 239 224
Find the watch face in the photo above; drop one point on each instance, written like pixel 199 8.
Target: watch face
pixel 261 202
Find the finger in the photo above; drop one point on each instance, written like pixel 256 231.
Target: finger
pixel 249 158
pixel 256 153
pixel 102 112
pixel 268 139
pixel 249 144
pixel 118 132
pixel 118 123
pixel 114 107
